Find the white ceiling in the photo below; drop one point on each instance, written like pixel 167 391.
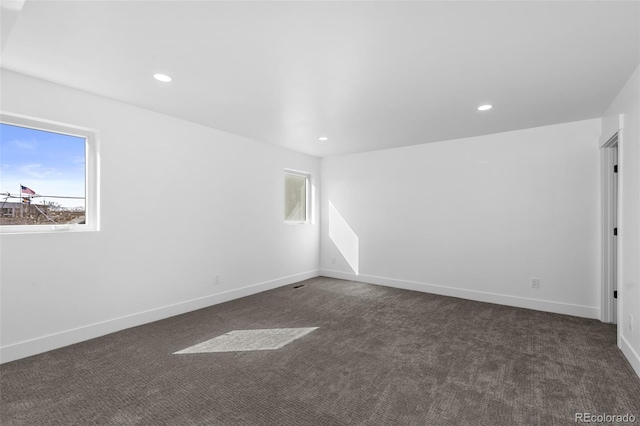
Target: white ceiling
pixel 369 75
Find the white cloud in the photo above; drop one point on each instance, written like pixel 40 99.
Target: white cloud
pixel 23 144
pixel 35 170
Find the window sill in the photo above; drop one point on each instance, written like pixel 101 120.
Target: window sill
pixel 45 229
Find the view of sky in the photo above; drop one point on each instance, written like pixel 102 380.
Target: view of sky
pixel 51 164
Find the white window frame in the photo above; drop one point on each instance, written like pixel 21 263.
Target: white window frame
pixel 91 179
pixel 307 179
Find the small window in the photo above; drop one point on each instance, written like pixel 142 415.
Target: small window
pixel 49 176
pixel 296 197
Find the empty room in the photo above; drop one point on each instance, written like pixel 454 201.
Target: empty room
pixel 319 212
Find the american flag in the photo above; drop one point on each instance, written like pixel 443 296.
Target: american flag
pixel 26 190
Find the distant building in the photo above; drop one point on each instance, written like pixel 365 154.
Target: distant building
pixel 10 209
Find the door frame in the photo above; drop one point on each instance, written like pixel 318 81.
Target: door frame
pixel 610 201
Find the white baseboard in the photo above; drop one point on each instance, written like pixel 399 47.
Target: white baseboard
pixel 630 354
pixel 68 337
pixel 480 296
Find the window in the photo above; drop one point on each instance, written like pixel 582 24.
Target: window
pixel 49 176
pixel 296 197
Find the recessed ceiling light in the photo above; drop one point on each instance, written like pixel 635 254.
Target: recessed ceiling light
pixel 162 77
pixel 323 138
pixel 485 107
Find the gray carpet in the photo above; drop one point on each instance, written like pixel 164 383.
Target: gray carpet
pixel 379 356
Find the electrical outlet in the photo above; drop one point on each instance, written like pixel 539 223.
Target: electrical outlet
pixel 216 280
pixel 630 322
pixel 535 282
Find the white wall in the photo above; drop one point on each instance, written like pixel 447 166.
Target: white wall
pixel 180 203
pixel 474 218
pixel 625 109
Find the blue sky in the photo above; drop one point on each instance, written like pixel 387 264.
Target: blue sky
pixel 51 164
